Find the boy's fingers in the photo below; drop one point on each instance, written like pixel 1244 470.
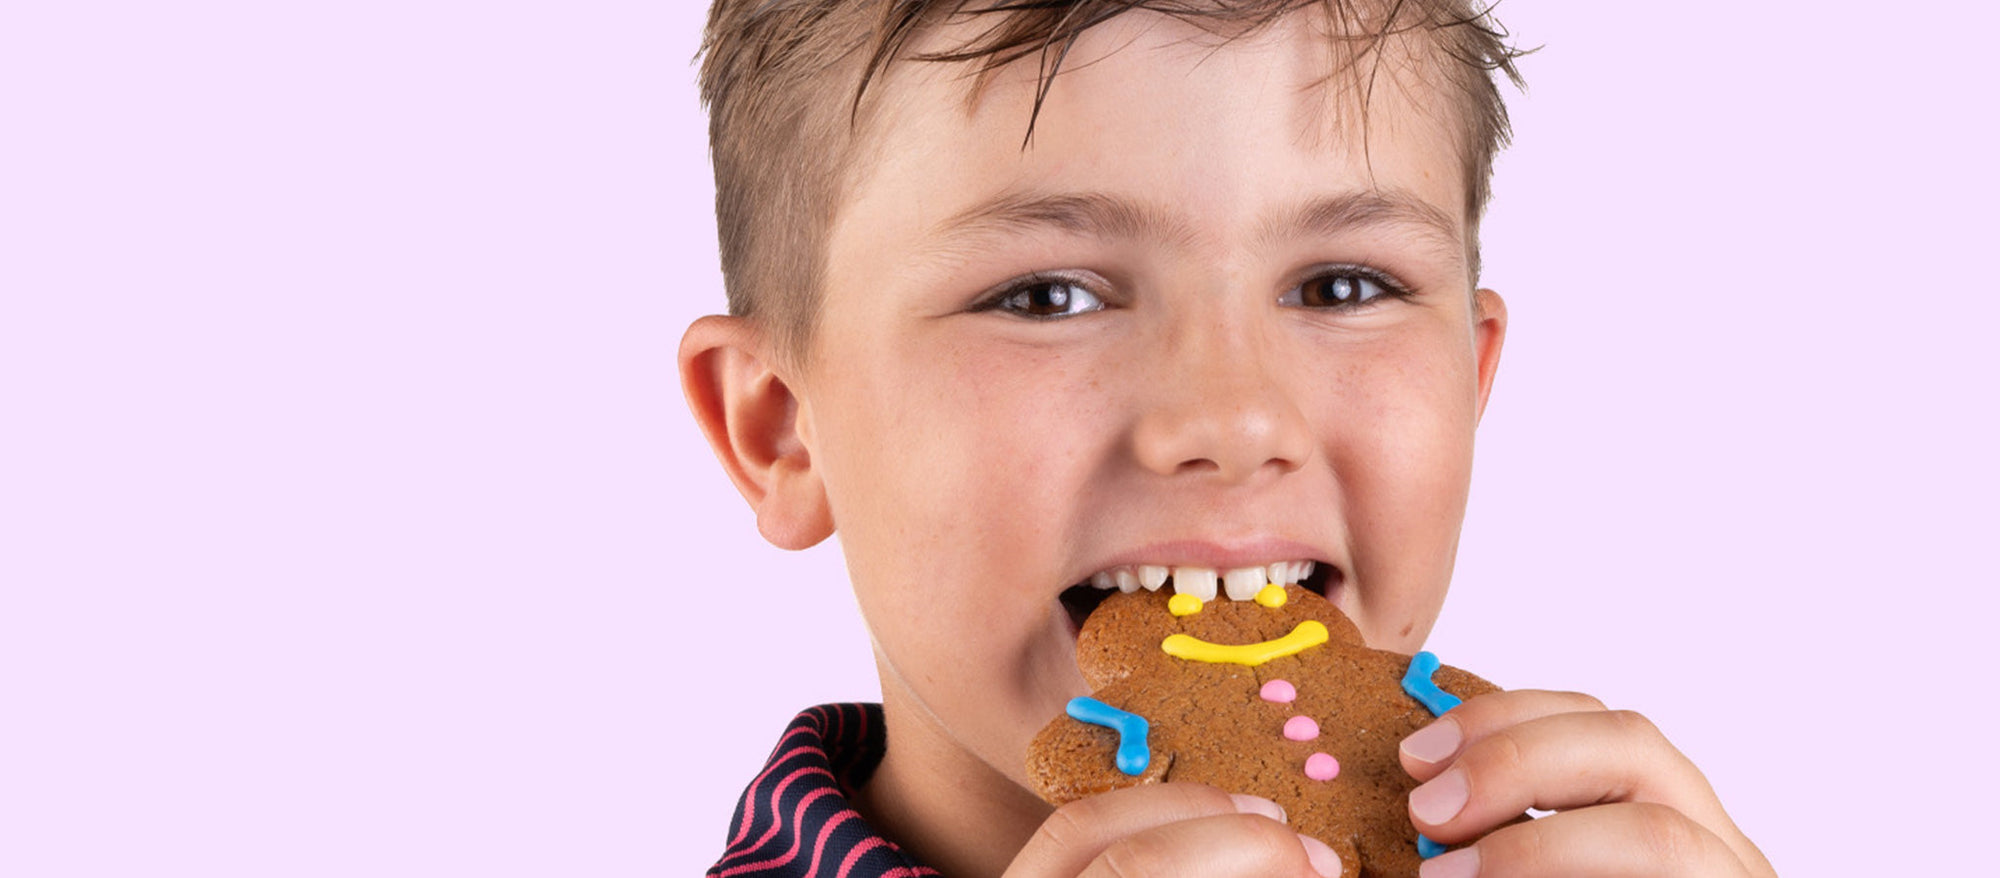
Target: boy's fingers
pixel 1077 832
pixel 1621 839
pixel 1166 829
pixel 1430 749
pixel 1242 845
pixel 1568 760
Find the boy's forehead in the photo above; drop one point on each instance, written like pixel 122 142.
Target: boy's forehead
pixel 1270 117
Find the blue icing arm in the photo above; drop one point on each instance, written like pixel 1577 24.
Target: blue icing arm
pixel 1133 754
pixel 1417 682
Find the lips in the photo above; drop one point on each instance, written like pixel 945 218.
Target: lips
pixel 1205 583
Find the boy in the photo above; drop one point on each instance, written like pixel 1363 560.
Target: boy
pixel 1028 296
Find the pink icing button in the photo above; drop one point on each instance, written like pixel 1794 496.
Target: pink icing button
pixel 1301 728
pixel 1320 766
pixel 1278 692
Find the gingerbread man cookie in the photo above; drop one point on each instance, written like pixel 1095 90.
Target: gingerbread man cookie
pixel 1276 697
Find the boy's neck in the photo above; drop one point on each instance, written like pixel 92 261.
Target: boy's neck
pixel 946 807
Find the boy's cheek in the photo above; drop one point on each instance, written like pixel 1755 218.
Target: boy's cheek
pixel 989 680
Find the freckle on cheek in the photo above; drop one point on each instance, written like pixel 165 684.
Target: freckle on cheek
pixel 1408 627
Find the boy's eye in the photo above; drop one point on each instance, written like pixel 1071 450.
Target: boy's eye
pixel 1343 288
pixel 1048 300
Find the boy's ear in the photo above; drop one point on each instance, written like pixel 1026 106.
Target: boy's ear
pixel 1489 332
pixel 751 418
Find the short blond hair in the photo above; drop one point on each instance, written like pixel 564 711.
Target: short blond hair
pixel 784 83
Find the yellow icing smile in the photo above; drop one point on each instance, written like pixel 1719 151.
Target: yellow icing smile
pixel 1307 635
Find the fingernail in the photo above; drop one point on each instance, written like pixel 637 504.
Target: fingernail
pixel 1434 743
pixel 1323 859
pixel 1255 805
pixel 1435 803
pixel 1457 864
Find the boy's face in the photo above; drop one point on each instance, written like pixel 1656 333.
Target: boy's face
pixel 1211 392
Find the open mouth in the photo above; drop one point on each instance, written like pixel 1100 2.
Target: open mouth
pixel 1206 583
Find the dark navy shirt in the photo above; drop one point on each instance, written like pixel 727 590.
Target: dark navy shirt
pixel 795 821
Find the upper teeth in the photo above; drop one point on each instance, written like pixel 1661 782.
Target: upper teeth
pixel 1240 584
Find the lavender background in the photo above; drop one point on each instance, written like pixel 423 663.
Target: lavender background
pixel 351 521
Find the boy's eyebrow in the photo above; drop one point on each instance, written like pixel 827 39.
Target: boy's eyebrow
pixel 1101 215
pixel 1091 214
pixel 1332 215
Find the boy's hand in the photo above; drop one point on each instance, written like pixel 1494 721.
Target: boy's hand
pixel 1171 829
pixel 1628 802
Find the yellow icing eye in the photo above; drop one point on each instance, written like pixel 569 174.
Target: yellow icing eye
pixel 1183 605
pixel 1272 596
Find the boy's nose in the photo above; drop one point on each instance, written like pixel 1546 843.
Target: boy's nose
pixel 1222 413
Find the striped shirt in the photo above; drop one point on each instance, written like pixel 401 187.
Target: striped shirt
pixel 794 821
